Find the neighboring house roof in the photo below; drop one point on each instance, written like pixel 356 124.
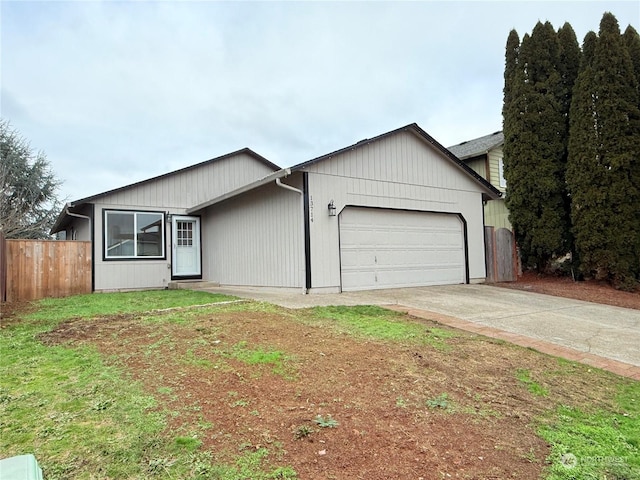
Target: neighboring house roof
pixel 477 146
pixel 57 226
pixel 492 191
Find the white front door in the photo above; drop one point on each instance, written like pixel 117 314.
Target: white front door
pixel 185 238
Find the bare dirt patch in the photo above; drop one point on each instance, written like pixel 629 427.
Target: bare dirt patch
pixel 382 394
pixel 589 290
pixel 9 312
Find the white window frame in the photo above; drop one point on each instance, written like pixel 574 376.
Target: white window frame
pixel 502 182
pixel 135 255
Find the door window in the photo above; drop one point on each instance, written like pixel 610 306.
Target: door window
pixel 184 234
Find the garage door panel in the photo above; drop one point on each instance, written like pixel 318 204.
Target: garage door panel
pixel 382 248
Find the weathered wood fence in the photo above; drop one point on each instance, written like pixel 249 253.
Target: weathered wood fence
pixel 501 255
pixel 35 269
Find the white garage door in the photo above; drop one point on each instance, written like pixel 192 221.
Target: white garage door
pixel 382 248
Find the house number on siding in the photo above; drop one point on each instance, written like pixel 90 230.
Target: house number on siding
pixel 311 208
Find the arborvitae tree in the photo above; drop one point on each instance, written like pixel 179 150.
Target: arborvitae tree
pixel 632 39
pixel 516 138
pixel 511 64
pixel 535 148
pixel 568 67
pixel 602 173
pixel 582 144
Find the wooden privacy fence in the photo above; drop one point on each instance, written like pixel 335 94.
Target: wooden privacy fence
pixel 501 255
pixel 46 268
pixel 3 269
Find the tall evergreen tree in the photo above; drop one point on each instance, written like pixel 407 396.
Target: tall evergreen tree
pixel 516 138
pixel 568 65
pixel 602 172
pixel 582 143
pixel 632 39
pixel 511 64
pixel 535 146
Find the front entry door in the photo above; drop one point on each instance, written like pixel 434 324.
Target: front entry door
pixel 186 247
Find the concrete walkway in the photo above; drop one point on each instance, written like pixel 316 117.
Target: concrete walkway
pixel 599 335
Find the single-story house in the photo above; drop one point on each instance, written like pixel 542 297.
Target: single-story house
pixel 484 156
pixel 396 210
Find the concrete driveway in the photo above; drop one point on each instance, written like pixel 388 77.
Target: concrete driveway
pixel 594 329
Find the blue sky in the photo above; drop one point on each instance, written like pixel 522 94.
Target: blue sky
pixel 116 92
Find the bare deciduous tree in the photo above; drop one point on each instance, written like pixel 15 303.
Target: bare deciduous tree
pixel 28 198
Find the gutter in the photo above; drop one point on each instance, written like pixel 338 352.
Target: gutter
pixel 71 214
pixel 67 211
pixel 287 187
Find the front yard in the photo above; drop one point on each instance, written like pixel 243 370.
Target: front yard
pixel 142 385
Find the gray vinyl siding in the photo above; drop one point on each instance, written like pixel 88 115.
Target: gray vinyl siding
pixel 400 172
pixel 171 194
pixel 256 239
pixel 129 274
pixel 194 186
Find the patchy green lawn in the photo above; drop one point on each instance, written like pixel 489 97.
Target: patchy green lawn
pixel 140 385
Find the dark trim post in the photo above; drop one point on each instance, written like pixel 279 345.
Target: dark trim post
pixel 92 214
pixel 307 230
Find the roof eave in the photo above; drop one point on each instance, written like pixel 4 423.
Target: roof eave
pixel 490 190
pixel 245 150
pixel 285 172
pixel 64 217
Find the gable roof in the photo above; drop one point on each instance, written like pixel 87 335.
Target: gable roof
pixel 477 146
pixel 57 226
pixel 491 191
pixel 420 133
pixel 245 150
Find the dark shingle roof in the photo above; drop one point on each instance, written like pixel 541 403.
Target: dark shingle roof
pixel 477 146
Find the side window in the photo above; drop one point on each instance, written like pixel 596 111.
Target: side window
pixel 503 182
pixel 133 235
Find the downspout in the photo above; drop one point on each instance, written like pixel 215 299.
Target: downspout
pixel 78 216
pixel 288 187
pixel 91 239
pixel 296 190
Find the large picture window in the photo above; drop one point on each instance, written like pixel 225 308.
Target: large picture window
pixel 133 234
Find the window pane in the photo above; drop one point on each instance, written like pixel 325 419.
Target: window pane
pixel 119 230
pixel 184 234
pixel 503 182
pixel 149 235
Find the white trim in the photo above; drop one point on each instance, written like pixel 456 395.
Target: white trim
pixel 195 247
pixel 134 214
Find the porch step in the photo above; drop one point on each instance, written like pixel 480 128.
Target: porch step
pixel 192 284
